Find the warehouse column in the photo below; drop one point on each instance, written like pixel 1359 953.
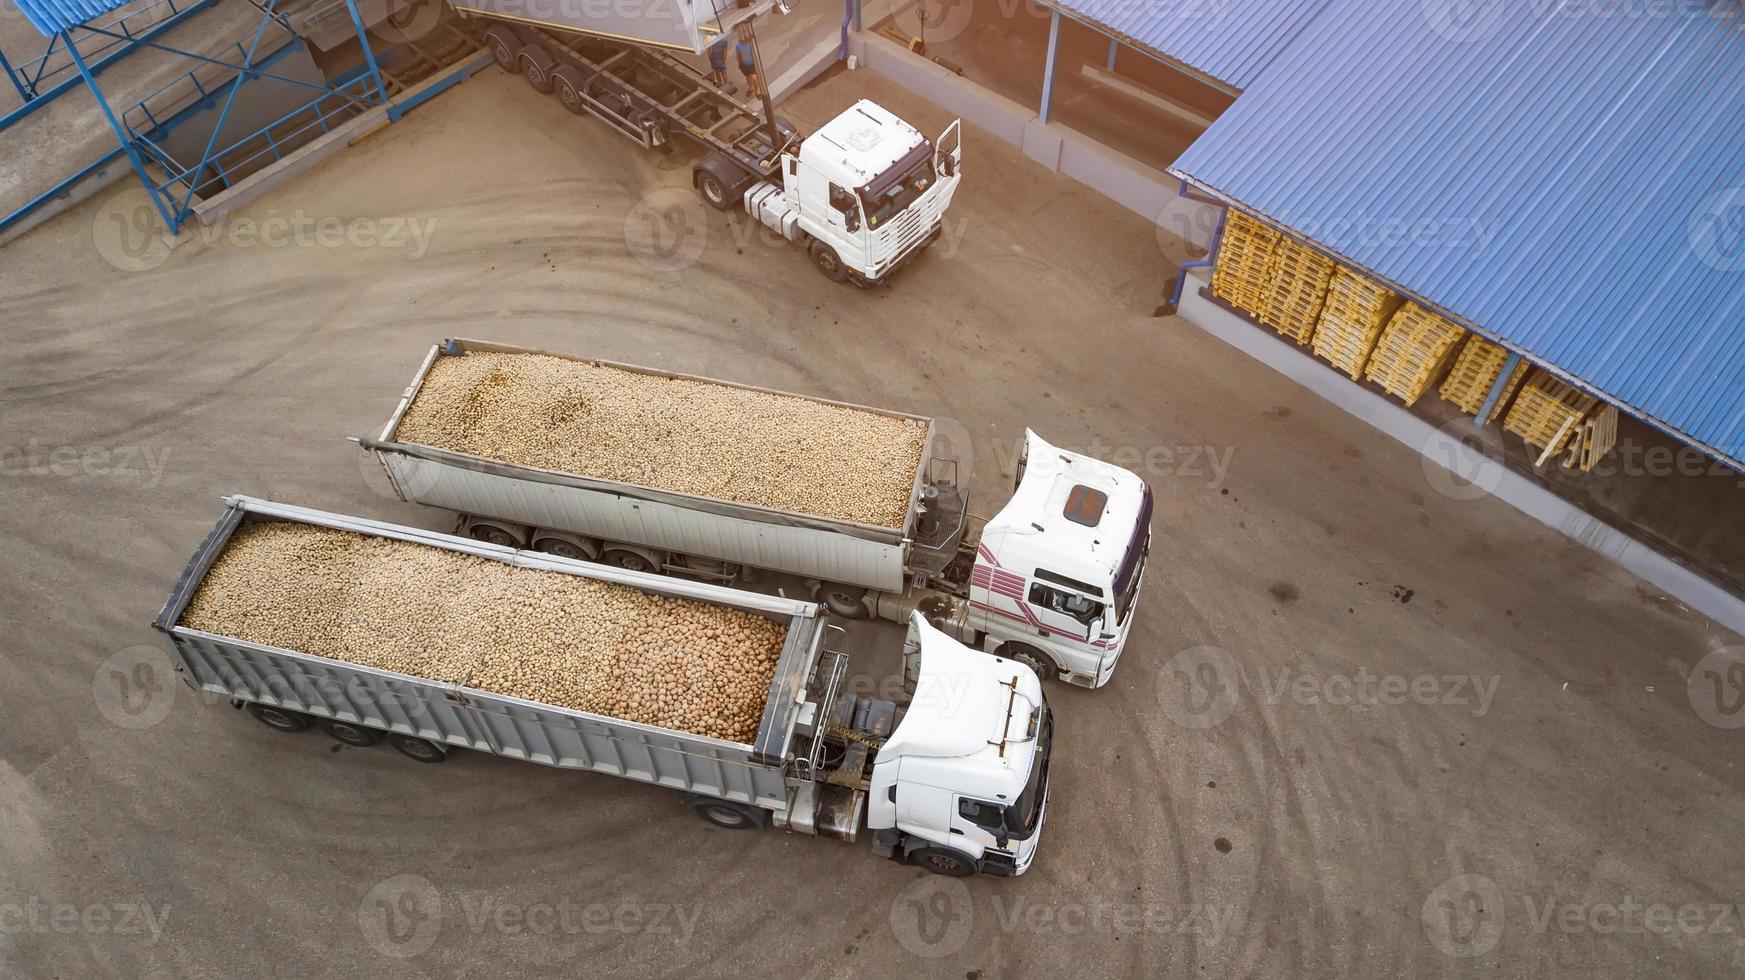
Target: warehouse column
pixel 1048 72
pixel 1497 389
pixel 1114 49
pixel 357 22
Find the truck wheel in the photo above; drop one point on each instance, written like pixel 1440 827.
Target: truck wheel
pixel 350 734
pixel 713 191
pixel 492 534
pixel 567 82
pixel 536 66
pixel 421 749
pixel 843 600
pixel 727 815
pixel 630 561
pixel 943 861
pixel 505 48
pixel 277 718
pixel 562 548
pixel 1032 658
pixel 827 261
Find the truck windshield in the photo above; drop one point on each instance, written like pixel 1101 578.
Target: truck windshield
pixel 1127 578
pixel 1023 815
pixel 887 195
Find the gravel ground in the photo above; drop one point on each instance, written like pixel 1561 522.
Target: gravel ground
pixel 543 636
pixel 750 447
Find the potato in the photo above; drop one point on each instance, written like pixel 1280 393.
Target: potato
pixel 541 636
pixel 750 447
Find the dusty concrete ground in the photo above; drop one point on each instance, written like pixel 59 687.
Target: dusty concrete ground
pixel 1365 726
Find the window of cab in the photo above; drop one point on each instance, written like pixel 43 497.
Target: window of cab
pixel 1084 505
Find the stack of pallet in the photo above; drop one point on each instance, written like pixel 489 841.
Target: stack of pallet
pixel 1412 351
pixel 1299 288
pixel 1244 270
pixel 1469 381
pixel 1547 414
pixel 1351 320
pixel 1596 437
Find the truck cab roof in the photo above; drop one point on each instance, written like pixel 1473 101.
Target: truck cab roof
pixel 860 144
pixel 1075 516
pixel 968 707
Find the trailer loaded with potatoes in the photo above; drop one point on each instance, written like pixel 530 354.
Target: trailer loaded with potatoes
pixel 655 471
pixel 437 642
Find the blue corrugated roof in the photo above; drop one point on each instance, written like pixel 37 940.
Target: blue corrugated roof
pixel 1231 41
pixel 1570 183
pixel 53 16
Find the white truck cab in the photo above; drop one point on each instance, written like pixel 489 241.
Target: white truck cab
pixel 961 784
pixel 1057 570
pixel 866 192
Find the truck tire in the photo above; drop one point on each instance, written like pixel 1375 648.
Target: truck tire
pixel 827 261
pixel 536 65
pixel 727 814
pixel 492 534
pixel 943 861
pixel 348 733
pixel 563 548
pixel 713 191
pixel 505 48
pixel 1032 658
pixel 418 749
pixel 843 600
pixel 568 83
pixel 277 718
pixel 720 181
pixel 630 561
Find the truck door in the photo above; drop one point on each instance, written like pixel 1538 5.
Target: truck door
pixel 1063 613
pixel 948 150
pixel 844 214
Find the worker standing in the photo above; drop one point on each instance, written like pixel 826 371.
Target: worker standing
pixel 741 41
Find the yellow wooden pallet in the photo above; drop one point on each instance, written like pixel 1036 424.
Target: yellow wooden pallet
pixel 1547 413
pixel 1351 320
pixel 1594 439
pixel 1300 276
pixel 1475 370
pixel 1243 272
pixel 1413 349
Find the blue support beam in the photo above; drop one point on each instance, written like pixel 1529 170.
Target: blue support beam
pixel 1497 388
pixel 1048 72
pixel 251 70
pixel 23 94
pixel 170 222
pixel 1114 49
pixel 363 38
pixel 229 100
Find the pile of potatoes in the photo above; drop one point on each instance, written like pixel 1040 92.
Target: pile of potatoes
pixel 543 636
pixel 750 447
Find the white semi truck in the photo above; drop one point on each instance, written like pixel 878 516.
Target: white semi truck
pixel 863 195
pixel 1051 580
pixel 955 779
